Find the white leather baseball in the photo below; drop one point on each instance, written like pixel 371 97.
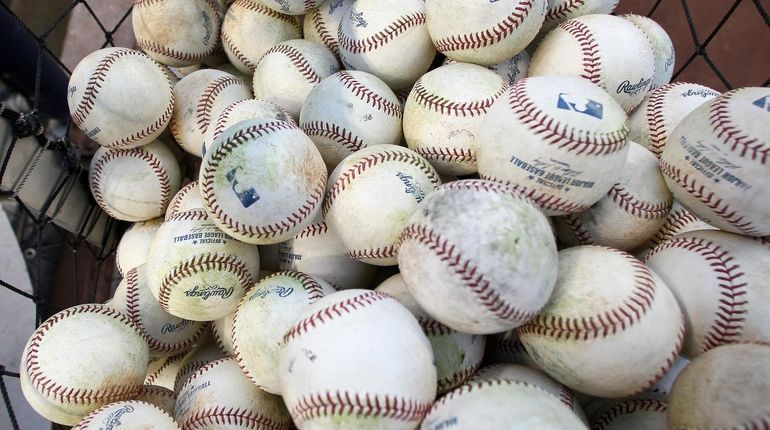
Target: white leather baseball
pixel 715 162
pixel 445 251
pixel 326 367
pixel 390 40
pixel 262 181
pixel 726 387
pixel 199 99
pixel 205 352
pixel 560 140
pixel 166 334
pixel 120 98
pixel 134 184
pixel 292 7
pixel 350 111
pixel 630 214
pixel 264 316
pixel 457 355
pixel 81 359
pixel 162 397
pixel 187 198
pixel 162 371
pixel 250 29
pixel 605 300
pixel 320 24
pixel 370 196
pixel 132 414
pixel 644 412
pixel 654 120
pixel 288 71
pixel 177 32
pixel 487 405
pixel 443 115
pixel 607 50
pixel 662 48
pixel 678 221
pixel 511 70
pixel 483 32
pixel 719 280
pixel 319 252
pixel 561 10
pixel 241 111
pixel 218 395
pixel 196 271
pixel 134 245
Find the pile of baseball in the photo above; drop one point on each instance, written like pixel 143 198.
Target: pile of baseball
pixel 569 229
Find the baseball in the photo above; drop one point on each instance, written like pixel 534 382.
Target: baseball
pixel 349 111
pixel 612 328
pixel 561 10
pixel 445 252
pixel 443 115
pixel 134 184
pixel 196 271
pixel 218 395
pixel 560 140
pixel 678 221
pixel 653 121
pixel 288 71
pixel 607 50
pixel 662 48
pixel 165 333
pixel 250 29
pixel 129 413
pixel 262 181
pixel 135 245
pixel 200 98
pixel 482 32
pixel 264 316
pixel 187 198
pixel 714 162
pixel 720 281
pixel 205 352
pixel 162 371
pixel 222 330
pixel 457 355
pixel 177 32
pixel 242 111
pixel 162 397
pixel 370 196
pixel 390 40
pixel 81 359
pixel 320 24
pixel 292 7
pixel 511 70
pixel 645 412
pixel 632 211
pixel 727 387
pixel 102 98
pixel 488 404
pixel 326 368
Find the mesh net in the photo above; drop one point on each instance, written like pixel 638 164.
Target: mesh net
pixel 68 242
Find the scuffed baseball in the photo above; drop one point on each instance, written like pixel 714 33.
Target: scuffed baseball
pixel 162 371
pixel 443 115
pixel 162 397
pixel 679 220
pixel 134 245
pixel 561 10
pixel 292 7
pixel 120 98
pixel 134 184
pixel 662 48
pixel 222 330
pixel 320 24
pixel 187 198
pixel 511 70
pixel 644 412
pixel 205 352
pixel 132 414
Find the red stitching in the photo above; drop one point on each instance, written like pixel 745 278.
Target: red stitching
pixel 731 313
pixel 602 324
pixel 221 123
pixel 449 107
pixel 297 59
pixel 335 133
pixel 191 215
pixel 367 405
pixel 157 48
pixel 560 12
pixel 333 311
pixel 543 200
pixel 432 327
pixel 489 36
pixel 460 155
pixel 733 136
pixel 575 224
pixel 174 207
pixel 674 224
pixel 159 123
pixel 385 252
pixel 200 264
pixel 457 378
pixel 258 7
pixel 669 361
pixel 628 407
pixel 360 166
pixel 472 385
pixel 565 395
pixel 592 61
pixel 467 271
pixel 562 135
pixel 508 345
pixel 95 83
pixel 371 98
pixel 169 361
pixel 638 208
pixel 323 33
pixel 656 121
pixel 230 416
pixel 226 41
pixel 381 38
pixel 49 388
pixel 207 99
pixel 146 156
pixel 709 198
pixel 313 230
pixel 266 231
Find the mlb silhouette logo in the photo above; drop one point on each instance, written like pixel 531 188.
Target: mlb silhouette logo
pixel 246 195
pixel 580 105
pixel 763 103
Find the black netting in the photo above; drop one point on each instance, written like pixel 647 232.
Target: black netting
pixel 69 243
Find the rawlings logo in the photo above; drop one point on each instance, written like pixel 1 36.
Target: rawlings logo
pixel 581 105
pixel 284 4
pixel 451 422
pixel 72 90
pixel 207 28
pixel 513 69
pixel 208 291
pixel 358 19
pixel 277 289
pixel 411 187
pixel 669 61
pixel 633 89
pixel 169 328
pixel 763 102
pixel 247 196
pixel 334 5
pixel 113 419
pixel 700 93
